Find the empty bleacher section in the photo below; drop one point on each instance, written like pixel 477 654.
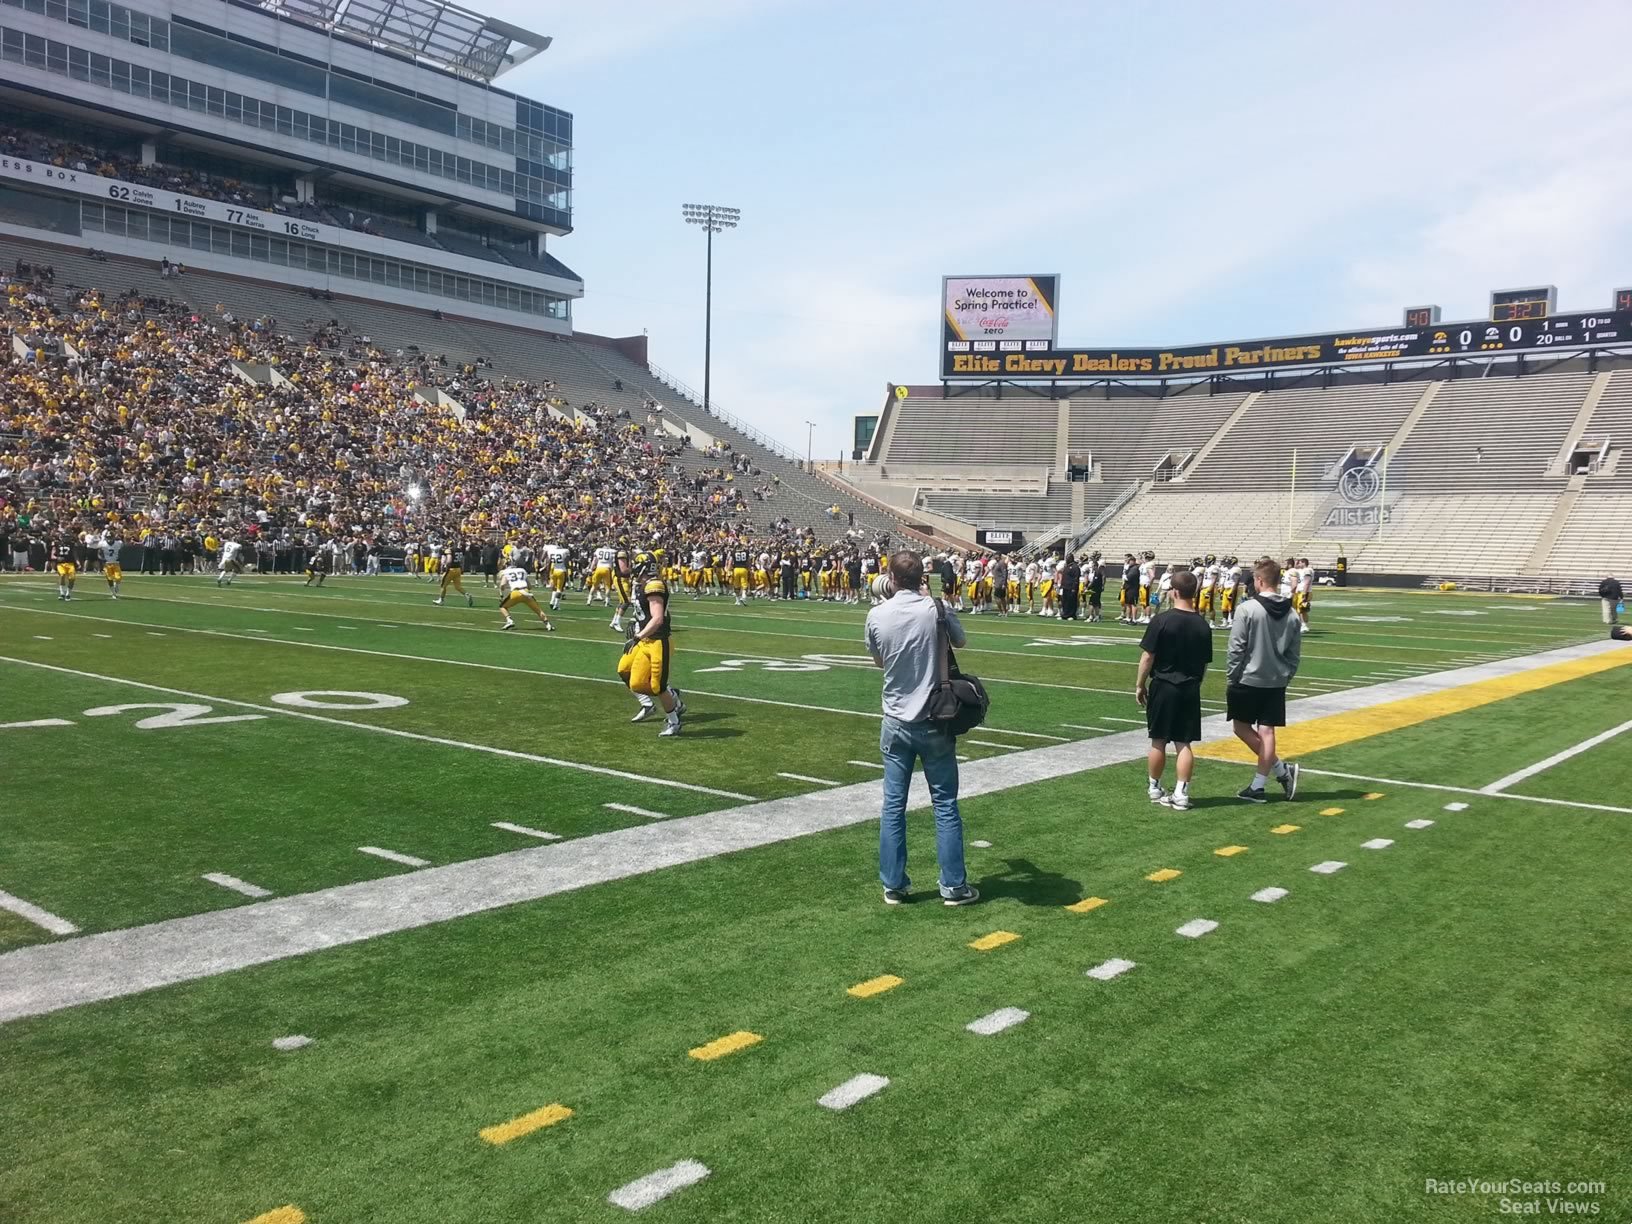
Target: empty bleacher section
pixel 1179 523
pixel 1320 424
pixel 975 431
pixel 1494 432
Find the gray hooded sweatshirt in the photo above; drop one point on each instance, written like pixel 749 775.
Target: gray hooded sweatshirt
pixel 1266 643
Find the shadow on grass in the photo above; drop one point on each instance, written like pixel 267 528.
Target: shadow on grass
pixel 1029 884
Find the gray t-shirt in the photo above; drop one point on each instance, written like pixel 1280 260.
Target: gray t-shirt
pixel 901 634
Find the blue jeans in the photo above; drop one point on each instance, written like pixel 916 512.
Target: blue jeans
pixel 901 744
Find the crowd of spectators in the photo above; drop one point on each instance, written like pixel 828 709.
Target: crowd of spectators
pixel 158 421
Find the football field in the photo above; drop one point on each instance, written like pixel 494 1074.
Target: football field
pixel 553 967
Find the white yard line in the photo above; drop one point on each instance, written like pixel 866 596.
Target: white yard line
pixel 854 1090
pixel 793 777
pixel 636 811
pixel 1082 727
pixel 526 831
pixel 991 744
pixel 237 885
pixel 30 912
pixel 392 856
pixel 510 753
pixel 500 667
pixel 1464 790
pixel 866 764
pixel 1558 758
pixel 654 1187
pixel 115 964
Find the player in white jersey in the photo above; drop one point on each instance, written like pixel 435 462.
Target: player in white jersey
pixel 515 588
pixel 1211 572
pixel 600 575
pixel 974 583
pixel 231 562
pixel 1031 577
pixel 558 560
pixel 1147 586
pixel 108 546
pixel 1289 578
pixel 695 570
pixel 1306 586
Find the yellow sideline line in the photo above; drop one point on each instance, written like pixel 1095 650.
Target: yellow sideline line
pixel 1336 729
pixel 721 1046
pixel 281 1215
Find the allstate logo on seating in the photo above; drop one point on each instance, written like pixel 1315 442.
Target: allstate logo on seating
pixel 1360 486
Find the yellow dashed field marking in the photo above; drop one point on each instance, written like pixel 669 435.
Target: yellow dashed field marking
pixel 1087 904
pixel 1230 851
pixel 1337 729
pixel 874 986
pixel 281 1215
pixel 1286 828
pixel 1333 811
pixel 525 1125
pixel 995 940
pixel 1164 875
pixel 1375 795
pixel 721 1046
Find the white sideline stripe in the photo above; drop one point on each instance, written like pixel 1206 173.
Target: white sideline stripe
pixel 1137 722
pixel 654 1187
pixel 525 831
pixel 40 637
pixel 48 977
pixel 1377 843
pixel 636 811
pixel 393 731
pixel 995 1022
pixel 1419 824
pixel 866 764
pixel 856 1088
pixel 102 635
pixel 1466 790
pixel 239 636
pixel 237 885
pixel 1196 928
pixel 407 860
pixel 294 1042
pixel 1269 895
pixel 1081 727
pixel 1328 867
pixel 1114 967
pixel 981 845
pixel 793 777
pixel 30 912
pixel 1558 758
pixel 991 744
pixel 37 722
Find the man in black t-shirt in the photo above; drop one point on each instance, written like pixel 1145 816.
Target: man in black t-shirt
pixel 1175 652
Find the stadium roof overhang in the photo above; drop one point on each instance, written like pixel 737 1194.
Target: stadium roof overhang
pixel 438 32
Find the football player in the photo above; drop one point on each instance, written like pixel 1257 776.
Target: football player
pixel 232 563
pixel 514 588
pixel 600 575
pixel 453 574
pixel 647 650
pixel 111 570
pixel 559 560
pixel 62 558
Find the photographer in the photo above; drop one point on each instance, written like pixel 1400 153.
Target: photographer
pixel 903 638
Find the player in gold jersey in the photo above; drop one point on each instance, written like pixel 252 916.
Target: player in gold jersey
pixel 647 651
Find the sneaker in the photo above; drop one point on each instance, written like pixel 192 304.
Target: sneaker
pixel 672 728
pixel 1157 794
pixel 643 714
pixel 470 600
pixel 549 627
pixel 967 895
pixel 1179 803
pixel 509 624
pixel 895 896
pixel 1252 794
pixel 437 602
pixel 1289 783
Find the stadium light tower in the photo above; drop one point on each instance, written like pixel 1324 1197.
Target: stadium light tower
pixel 715 219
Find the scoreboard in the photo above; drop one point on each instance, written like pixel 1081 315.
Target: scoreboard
pixel 1511 305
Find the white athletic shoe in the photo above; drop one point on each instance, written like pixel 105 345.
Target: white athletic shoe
pixel 437 601
pixel 672 728
pixel 509 624
pixel 1157 794
pixel 642 714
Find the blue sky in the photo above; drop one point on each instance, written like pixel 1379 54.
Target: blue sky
pixel 1194 171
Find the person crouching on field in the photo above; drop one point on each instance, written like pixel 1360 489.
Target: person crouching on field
pixel 1174 654
pixel 1266 646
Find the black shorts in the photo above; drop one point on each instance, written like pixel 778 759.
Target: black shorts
pixel 1095 598
pixel 1261 707
pixel 1130 594
pixel 1173 712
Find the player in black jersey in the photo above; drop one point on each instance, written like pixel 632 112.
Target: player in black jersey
pixel 62 556
pixel 647 651
pixel 317 565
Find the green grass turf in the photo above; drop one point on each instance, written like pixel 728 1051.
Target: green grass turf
pixel 1453 1006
